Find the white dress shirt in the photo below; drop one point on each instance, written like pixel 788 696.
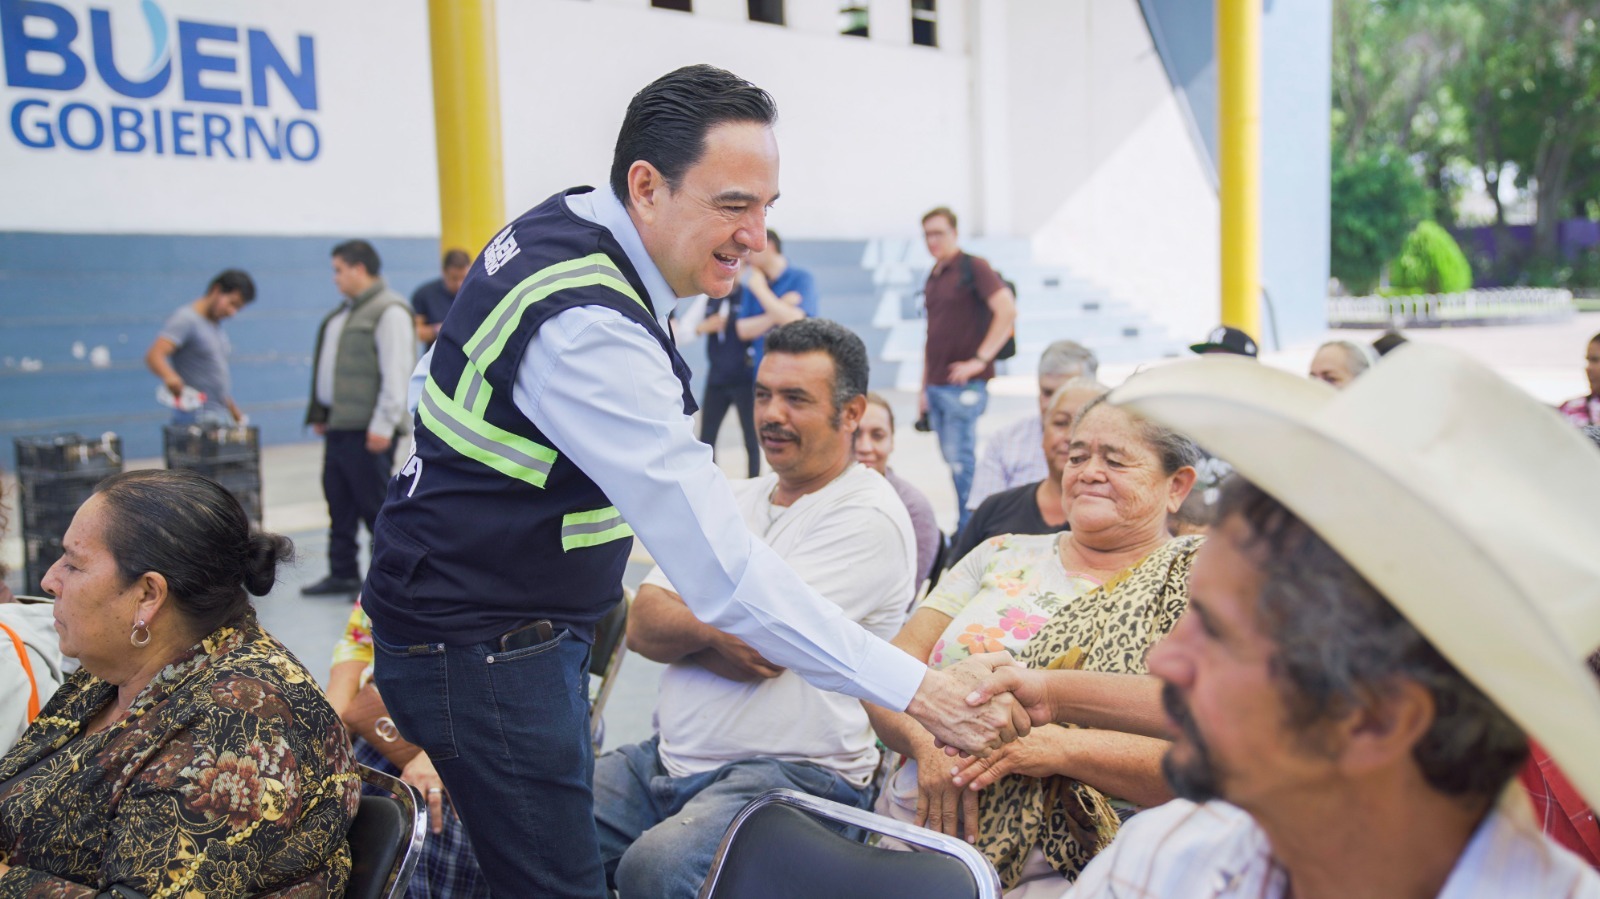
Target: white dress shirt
pixel 601 389
pixel 1186 851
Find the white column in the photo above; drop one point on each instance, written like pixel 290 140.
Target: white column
pixel 889 22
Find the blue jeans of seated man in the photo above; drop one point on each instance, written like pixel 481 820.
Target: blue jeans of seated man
pixel 953 411
pixel 509 734
pixel 659 833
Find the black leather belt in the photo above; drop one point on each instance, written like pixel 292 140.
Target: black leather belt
pixel 531 634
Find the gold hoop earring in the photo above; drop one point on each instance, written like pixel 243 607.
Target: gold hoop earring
pixel 134 637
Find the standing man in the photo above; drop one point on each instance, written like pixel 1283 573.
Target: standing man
pixel 192 351
pixel 970 317
pixel 731 725
pixel 730 379
pixel 358 389
pixel 1013 456
pixel 776 293
pixel 553 424
pixel 432 300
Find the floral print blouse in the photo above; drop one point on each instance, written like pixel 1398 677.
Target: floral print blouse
pixel 1000 595
pixel 230 776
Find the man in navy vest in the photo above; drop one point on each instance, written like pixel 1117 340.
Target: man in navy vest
pixel 552 424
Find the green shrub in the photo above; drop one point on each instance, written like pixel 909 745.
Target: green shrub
pixel 1430 261
pixel 1376 199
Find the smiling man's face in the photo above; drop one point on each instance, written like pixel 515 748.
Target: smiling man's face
pixel 701 233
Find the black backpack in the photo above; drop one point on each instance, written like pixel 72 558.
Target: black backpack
pixel 969 281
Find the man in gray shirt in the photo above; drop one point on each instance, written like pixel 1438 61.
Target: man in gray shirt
pixel 192 351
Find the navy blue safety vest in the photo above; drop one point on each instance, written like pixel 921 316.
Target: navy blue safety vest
pixel 488 527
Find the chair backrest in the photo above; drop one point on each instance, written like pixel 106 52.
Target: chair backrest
pixel 605 660
pixel 779 848
pixel 385 838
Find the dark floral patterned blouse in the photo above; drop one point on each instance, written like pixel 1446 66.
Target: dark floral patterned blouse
pixel 230 776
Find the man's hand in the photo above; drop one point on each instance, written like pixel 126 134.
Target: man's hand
pixel 732 658
pixel 1040 754
pixel 321 430
pixel 419 773
pixel 1029 687
pixel 712 324
pixel 176 386
pixel 377 443
pixel 755 278
pixel 946 705
pixel 965 370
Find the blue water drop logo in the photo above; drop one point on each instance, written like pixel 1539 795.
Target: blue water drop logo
pixel 160 41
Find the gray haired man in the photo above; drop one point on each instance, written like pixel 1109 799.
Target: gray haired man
pixel 1013 456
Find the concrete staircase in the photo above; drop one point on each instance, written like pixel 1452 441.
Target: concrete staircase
pixel 874 287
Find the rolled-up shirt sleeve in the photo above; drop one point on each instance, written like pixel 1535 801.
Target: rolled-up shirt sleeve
pixel 600 387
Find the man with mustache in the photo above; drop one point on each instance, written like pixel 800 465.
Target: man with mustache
pixel 552 425
pixel 1383 615
pixel 730 724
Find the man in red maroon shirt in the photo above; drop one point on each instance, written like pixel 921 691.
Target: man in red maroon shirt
pixel 970 316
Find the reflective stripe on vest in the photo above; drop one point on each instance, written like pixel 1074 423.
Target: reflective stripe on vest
pixel 472 391
pixel 580 529
pixel 471 436
pixel 458 420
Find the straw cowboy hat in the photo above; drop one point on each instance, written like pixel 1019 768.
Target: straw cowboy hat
pixel 1474 509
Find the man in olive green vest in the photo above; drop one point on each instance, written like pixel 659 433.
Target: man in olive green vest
pixel 365 350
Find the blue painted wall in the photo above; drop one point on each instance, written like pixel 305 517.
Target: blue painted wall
pixel 116 290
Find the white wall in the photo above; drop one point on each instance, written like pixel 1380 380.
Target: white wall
pixel 1101 169
pixel 374 173
pixel 871 133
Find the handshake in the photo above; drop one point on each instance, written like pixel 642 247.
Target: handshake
pixel 981 703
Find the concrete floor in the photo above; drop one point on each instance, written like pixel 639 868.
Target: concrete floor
pixel 1546 360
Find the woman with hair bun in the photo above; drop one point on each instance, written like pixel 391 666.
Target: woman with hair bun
pixel 191 754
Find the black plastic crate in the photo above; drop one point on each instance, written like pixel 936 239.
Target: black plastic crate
pixel 38 554
pixel 69 453
pixel 43 491
pixel 193 446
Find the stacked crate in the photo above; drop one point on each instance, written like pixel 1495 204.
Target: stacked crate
pixel 55 474
pixel 229 455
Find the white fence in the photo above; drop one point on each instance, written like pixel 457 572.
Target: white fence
pixel 1501 304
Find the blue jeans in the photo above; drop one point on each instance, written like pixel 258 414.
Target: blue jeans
pixel 509 734
pixel 953 412
pixel 658 833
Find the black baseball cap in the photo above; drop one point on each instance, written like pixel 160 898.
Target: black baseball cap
pixel 1224 339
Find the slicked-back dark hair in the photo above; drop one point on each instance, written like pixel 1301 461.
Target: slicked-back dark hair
pixel 667 122
pixel 234 280
pixel 849 354
pixel 358 252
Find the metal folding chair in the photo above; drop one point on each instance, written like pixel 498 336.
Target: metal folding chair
pixel 605 660
pixel 778 847
pixel 386 838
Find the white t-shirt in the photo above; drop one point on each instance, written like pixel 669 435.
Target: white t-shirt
pixel 852 542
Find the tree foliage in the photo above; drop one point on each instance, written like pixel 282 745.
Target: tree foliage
pixel 1492 89
pixel 1430 261
pixel 1377 199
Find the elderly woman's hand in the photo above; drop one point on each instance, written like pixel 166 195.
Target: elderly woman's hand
pixel 1039 754
pixel 941 803
pixel 419 773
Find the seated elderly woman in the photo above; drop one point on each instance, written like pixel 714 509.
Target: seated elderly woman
pixel 1039 507
pixel 1095 598
pixel 191 754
